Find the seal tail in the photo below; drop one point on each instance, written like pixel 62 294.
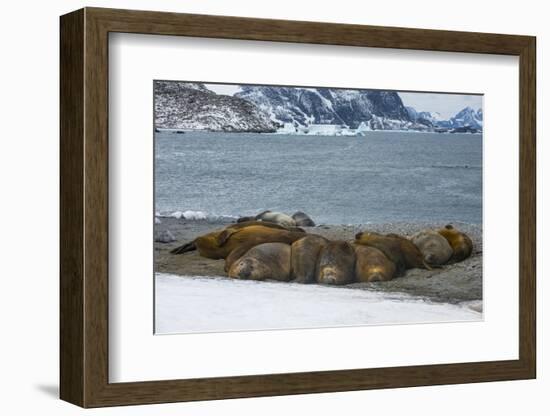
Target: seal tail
pixel 184 248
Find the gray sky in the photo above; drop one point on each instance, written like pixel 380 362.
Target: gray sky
pixel 445 104
pixel 224 89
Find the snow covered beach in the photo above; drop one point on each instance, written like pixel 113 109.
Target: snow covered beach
pixel 217 304
pixel 189 286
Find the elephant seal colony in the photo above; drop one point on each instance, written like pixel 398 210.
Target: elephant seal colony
pixel 386 257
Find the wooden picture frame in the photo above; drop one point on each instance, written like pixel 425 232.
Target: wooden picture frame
pixel 84 207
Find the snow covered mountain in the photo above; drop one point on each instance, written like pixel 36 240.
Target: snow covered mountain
pixel 468 117
pixel 289 110
pixel 187 106
pixel 427 118
pixel 465 118
pixel 306 106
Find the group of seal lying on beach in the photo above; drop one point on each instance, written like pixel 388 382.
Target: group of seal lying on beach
pixel 276 249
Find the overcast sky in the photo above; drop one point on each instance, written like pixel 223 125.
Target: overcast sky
pixel 445 104
pixel 224 89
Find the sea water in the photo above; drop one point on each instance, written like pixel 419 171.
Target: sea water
pixel 378 178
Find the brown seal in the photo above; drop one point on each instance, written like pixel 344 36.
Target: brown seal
pixel 435 248
pixel 269 261
pixel 233 243
pixel 304 257
pixel 336 263
pixel 371 265
pixel 219 244
pixel 403 253
pixel 461 244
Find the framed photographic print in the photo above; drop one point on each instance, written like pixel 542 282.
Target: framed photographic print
pixel 255 207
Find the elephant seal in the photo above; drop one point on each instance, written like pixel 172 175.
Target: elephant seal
pixel 461 244
pixel 219 244
pixel 277 218
pixel 302 219
pixel 371 265
pixel 435 248
pixel 262 262
pixel 211 241
pixel 336 263
pixel 402 252
pixel 304 257
pixel 235 242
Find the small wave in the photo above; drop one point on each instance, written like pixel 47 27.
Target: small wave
pixel 191 215
pixel 455 167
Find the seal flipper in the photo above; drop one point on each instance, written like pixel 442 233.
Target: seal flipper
pixel 259 216
pixel 225 234
pixel 184 248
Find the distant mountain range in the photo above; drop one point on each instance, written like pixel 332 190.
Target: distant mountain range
pixel 467 117
pixel 186 106
pixel 304 106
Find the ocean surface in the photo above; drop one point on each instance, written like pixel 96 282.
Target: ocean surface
pixel 382 177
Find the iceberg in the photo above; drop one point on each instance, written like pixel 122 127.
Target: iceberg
pixel 362 129
pixel 288 128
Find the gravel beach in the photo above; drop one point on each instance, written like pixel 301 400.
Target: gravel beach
pixel 455 283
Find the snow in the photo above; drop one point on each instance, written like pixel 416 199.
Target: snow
pixel 324 129
pixel 362 129
pixel 327 102
pixel 206 304
pixel 288 128
pixel 436 116
pixel 189 215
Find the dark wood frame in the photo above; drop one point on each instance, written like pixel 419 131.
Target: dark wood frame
pixel 84 207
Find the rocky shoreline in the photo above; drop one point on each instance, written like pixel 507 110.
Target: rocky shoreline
pixel 455 283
